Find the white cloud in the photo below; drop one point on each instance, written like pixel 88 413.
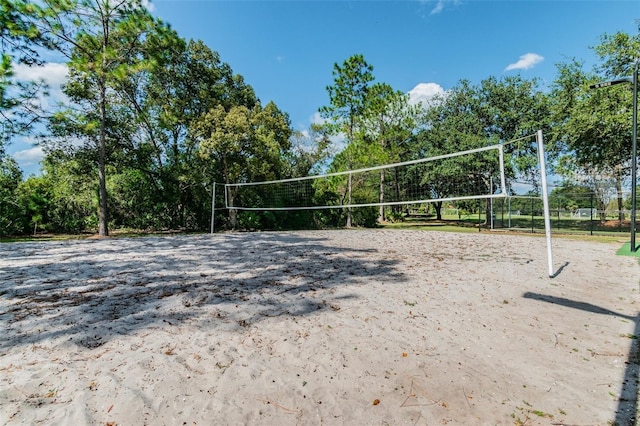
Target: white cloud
pixel 526 61
pixel 29 157
pixel 424 93
pixel 440 4
pixel 144 3
pixel 304 132
pixel 150 6
pixel 438 8
pixel 339 140
pixel 52 73
pixel 316 118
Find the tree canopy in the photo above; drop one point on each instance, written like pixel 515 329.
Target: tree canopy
pixel 152 120
pixel 593 128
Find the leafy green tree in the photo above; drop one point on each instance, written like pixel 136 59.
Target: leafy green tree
pixel 188 81
pixel 34 195
pixel 349 189
pixel 618 53
pixel 593 127
pixel 104 42
pixel 153 137
pixel 11 210
pixel 347 102
pixel 348 95
pixel 454 123
pixel 309 152
pixel 247 144
pixel 514 108
pixel 627 201
pixel 571 196
pixel 139 97
pixel 469 117
pixel 73 195
pixel 388 121
pixel 19 37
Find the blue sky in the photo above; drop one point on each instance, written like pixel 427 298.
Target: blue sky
pixel 286 49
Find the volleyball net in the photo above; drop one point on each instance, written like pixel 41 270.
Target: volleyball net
pixel 447 180
pixel 457 176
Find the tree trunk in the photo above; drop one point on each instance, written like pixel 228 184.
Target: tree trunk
pixel 487 212
pixel 487 205
pixel 396 185
pixel 438 208
pixel 348 225
pixel 601 207
pixel 102 193
pixel 620 200
pixel 233 213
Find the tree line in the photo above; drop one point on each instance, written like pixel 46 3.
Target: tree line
pixel 153 119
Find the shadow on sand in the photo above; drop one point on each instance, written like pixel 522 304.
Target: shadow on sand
pixel 628 400
pixel 88 292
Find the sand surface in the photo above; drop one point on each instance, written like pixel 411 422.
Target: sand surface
pixel 362 327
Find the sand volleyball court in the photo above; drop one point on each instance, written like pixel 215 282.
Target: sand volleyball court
pixel 362 327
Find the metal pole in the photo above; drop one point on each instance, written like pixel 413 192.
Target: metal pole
pixel 213 208
pixel 634 158
pixel 503 180
pixel 591 213
pixel 491 201
pixel 532 218
pixel 545 199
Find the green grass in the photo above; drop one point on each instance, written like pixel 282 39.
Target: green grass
pixel 42 237
pixel 574 229
pixel 625 250
pixel 117 233
pixel 565 228
pixel 422 225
